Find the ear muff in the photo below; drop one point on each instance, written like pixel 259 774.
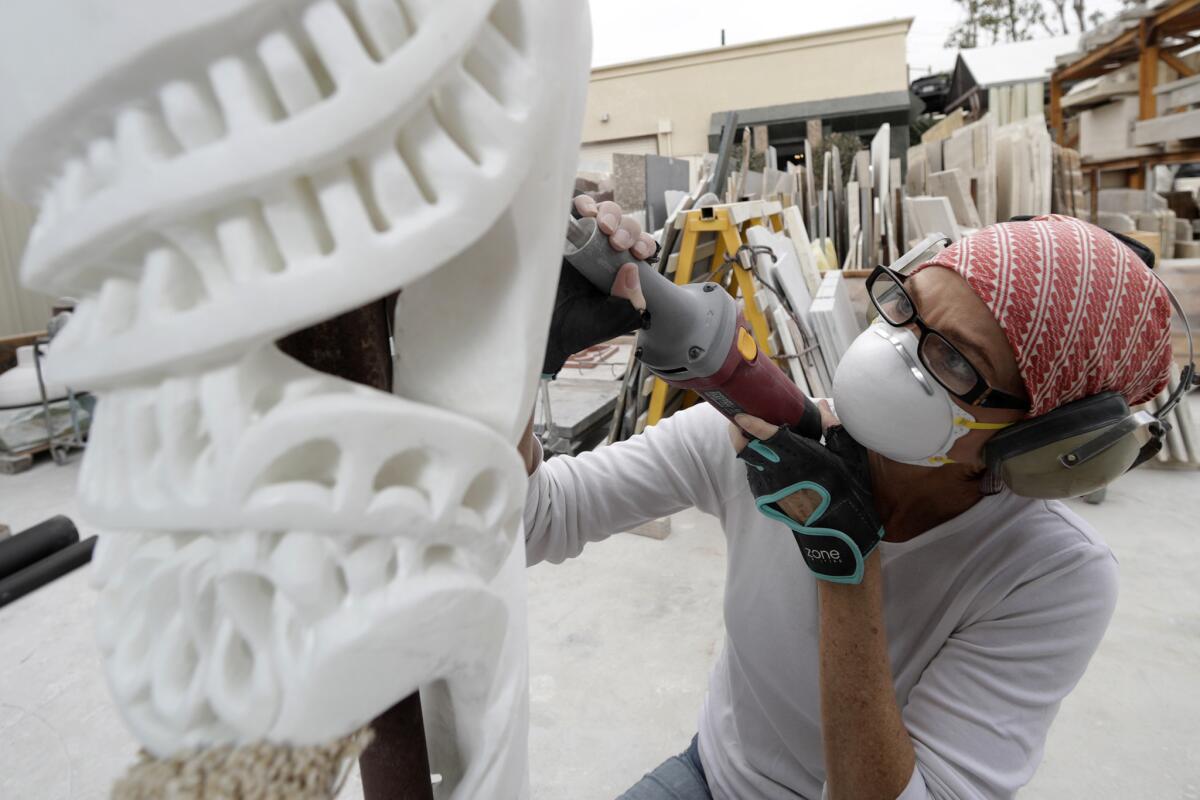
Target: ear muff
pixel 1083 446
pixel 1075 449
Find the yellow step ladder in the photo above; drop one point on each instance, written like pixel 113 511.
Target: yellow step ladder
pixel 728 223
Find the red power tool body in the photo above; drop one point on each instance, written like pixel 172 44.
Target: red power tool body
pixel 695 338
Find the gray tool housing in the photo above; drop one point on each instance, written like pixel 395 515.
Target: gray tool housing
pixel 690 329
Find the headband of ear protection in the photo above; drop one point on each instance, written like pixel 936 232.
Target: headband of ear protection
pixel 1084 445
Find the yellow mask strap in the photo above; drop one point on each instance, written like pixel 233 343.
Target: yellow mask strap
pixel 975 426
pixel 981 426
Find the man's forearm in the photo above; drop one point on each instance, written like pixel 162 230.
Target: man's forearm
pixel 868 752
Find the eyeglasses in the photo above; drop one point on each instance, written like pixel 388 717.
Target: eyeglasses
pixel 945 363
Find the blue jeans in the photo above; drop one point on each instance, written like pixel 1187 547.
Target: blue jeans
pixel 680 777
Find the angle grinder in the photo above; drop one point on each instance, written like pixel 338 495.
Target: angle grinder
pixel 694 337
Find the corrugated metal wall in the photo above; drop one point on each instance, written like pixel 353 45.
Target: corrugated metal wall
pixel 21 311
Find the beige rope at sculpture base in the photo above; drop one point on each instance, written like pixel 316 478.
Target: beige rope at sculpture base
pixel 261 771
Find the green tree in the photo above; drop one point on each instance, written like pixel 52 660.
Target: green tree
pixel 995 21
pixel 847 144
pixel 1060 9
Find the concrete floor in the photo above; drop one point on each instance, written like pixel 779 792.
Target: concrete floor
pixel 621 642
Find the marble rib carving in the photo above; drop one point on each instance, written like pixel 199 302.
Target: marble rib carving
pixel 286 554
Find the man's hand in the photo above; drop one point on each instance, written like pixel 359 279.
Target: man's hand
pixel 583 315
pixel 821 492
pixel 624 234
pixel 800 505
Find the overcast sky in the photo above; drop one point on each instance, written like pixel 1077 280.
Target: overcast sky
pixel 625 30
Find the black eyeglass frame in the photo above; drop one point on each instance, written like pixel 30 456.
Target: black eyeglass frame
pixel 982 394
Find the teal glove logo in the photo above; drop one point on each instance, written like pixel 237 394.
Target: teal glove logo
pixel 811 554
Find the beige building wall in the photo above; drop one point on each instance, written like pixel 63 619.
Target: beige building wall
pixel 673 99
pixel 21 311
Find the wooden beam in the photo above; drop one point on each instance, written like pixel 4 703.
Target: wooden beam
pixel 1111 165
pixel 1147 71
pixel 1183 24
pixel 1093 195
pixel 1181 29
pixel 1120 49
pixel 1188 156
pixel 1176 19
pixel 1147 80
pixel 1174 11
pixel 1181 157
pixel 1178 43
pixel 1056 116
pixel 1176 63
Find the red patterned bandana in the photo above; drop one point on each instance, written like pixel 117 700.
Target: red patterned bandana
pixel 1082 312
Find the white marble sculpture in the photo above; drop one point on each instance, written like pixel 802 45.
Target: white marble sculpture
pixel 287 554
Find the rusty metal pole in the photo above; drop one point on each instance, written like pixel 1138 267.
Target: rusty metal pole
pixel 396 765
pixel 355 346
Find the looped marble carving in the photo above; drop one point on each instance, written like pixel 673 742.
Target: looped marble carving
pixel 265 441
pixel 287 554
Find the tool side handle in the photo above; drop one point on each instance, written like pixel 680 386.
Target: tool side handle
pixel 589 252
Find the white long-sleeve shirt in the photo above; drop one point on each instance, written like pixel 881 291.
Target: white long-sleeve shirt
pixel 991 617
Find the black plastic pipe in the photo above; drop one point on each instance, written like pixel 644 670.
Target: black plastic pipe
pixel 30 546
pixel 50 568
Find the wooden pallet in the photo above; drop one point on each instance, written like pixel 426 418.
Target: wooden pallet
pixel 16 463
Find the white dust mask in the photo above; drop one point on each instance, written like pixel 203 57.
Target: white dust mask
pixel 890 403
